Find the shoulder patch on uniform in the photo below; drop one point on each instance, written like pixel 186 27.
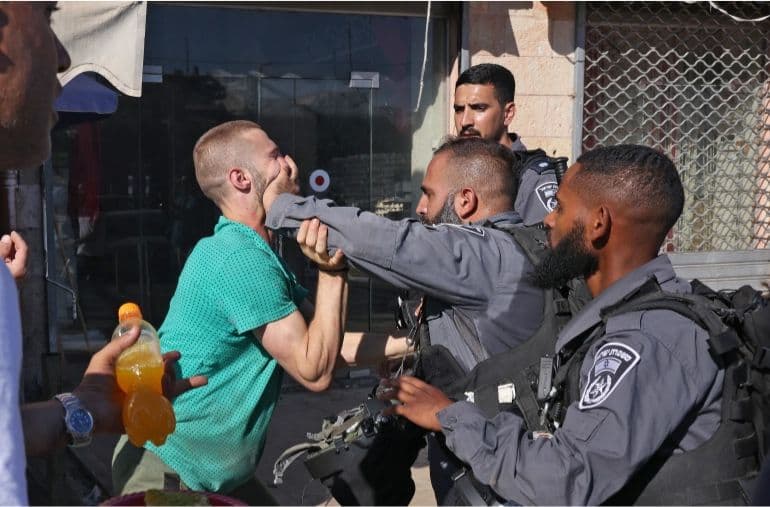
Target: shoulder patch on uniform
pixel 612 363
pixel 473 229
pixel 547 194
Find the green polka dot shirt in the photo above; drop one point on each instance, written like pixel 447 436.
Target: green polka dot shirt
pixel 231 284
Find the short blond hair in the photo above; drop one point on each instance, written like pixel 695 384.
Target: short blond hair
pixel 219 150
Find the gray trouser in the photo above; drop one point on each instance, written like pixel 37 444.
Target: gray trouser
pixel 137 469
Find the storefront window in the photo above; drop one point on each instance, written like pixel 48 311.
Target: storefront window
pixel 126 207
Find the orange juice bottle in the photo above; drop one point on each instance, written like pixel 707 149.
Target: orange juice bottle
pixel 147 414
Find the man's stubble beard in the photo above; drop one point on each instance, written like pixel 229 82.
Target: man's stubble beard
pixel 446 215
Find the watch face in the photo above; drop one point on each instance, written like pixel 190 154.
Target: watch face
pixel 81 421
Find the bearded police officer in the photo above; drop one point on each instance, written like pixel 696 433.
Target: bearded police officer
pixel 480 299
pixel 643 394
pixel 454 255
pixel 484 107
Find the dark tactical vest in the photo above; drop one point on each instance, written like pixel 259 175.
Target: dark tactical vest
pixel 497 383
pixel 522 363
pixel 719 471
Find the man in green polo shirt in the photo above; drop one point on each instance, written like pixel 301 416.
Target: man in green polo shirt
pixel 238 316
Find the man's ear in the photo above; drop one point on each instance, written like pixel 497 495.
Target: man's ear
pixel 239 179
pixel 509 111
pixel 599 225
pixel 466 203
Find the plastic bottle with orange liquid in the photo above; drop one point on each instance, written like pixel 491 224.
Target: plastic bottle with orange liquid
pixel 147 414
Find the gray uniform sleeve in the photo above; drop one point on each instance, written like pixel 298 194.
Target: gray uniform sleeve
pixel 605 436
pixel 536 195
pixel 458 265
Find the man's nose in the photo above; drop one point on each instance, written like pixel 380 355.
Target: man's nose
pixel 467 119
pixel 422 206
pixel 62 56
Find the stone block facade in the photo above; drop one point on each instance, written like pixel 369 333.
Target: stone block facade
pixel 535 41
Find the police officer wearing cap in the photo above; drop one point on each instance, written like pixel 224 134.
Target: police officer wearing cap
pixel 646 394
pixel 484 107
pixel 479 297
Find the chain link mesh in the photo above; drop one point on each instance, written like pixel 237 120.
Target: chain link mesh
pixel 695 84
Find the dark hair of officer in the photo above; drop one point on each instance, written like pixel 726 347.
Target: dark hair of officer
pixel 490 73
pixel 643 179
pixel 486 166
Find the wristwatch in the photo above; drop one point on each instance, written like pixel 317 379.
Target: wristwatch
pixel 78 421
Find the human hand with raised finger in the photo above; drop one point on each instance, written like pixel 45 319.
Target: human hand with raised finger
pixel 420 402
pixel 312 238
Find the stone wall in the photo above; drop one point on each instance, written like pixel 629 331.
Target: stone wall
pixel 535 41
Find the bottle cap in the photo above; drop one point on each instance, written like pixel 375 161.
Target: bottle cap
pixel 129 311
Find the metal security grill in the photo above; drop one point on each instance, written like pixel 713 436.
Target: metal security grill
pixel 688 80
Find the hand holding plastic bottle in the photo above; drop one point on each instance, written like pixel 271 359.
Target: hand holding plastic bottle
pixel 99 391
pixel 139 372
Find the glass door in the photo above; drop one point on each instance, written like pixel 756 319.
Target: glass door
pixel 328 126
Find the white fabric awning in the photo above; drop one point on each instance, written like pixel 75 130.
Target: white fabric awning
pixel 106 38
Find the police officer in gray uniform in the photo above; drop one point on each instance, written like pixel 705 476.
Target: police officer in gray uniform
pixel 647 385
pixel 484 107
pixel 476 279
pixel 470 272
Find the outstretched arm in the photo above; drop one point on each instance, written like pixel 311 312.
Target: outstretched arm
pixel 437 260
pixel 369 349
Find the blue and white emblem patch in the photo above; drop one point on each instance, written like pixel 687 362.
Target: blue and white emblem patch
pixel 612 363
pixel 547 195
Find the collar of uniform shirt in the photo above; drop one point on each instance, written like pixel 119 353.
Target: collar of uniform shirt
pixel 508 217
pixel 660 267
